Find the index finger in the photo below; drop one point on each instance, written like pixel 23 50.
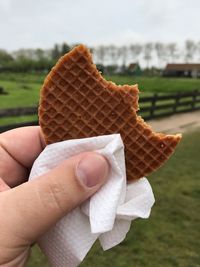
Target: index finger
pixel 18 150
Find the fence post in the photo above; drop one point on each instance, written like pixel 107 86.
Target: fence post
pixel 153 106
pixel 194 98
pixel 177 98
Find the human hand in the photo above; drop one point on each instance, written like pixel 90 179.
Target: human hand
pixel 29 209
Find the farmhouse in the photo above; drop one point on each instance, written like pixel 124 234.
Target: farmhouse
pixel 134 68
pixel 182 70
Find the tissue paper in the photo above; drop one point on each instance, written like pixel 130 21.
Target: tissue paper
pixel 106 216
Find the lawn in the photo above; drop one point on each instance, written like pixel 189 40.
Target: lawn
pixel 146 84
pixel 23 77
pixel 158 84
pixel 19 94
pixel 23 90
pixel 171 236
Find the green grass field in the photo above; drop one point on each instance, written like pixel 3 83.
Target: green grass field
pixel 152 84
pixel 158 84
pixel 171 236
pixel 23 89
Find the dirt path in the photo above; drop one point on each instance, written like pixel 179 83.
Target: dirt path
pixel 177 123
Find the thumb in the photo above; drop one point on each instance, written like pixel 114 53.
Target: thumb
pixel 32 208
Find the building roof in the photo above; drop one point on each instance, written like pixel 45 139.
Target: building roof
pixel 132 66
pixel 182 67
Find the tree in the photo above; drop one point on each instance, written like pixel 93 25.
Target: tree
pixel 5 56
pixel 65 48
pixel 113 54
pixel 198 50
pixel 55 54
pixel 39 53
pixel 172 52
pixel 148 48
pixel 42 61
pixel 100 53
pixel 135 50
pixel 161 53
pixel 124 55
pixel 27 53
pixel 190 49
pixel 5 60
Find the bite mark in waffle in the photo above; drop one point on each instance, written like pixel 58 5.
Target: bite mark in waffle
pixel 77 102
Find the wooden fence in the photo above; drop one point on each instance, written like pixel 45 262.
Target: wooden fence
pixel 154 106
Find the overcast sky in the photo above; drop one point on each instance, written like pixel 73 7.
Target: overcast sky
pixel 42 23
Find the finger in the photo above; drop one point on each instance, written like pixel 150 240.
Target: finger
pixel 3 185
pixel 18 150
pixel 39 204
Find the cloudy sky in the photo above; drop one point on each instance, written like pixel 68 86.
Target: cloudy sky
pixel 41 23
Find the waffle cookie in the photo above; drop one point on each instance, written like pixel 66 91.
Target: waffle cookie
pixel 77 102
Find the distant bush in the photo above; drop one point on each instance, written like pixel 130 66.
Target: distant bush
pixel 3 91
pixel 25 87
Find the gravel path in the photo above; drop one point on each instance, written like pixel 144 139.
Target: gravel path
pixel 179 123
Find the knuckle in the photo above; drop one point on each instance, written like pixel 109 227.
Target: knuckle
pixel 62 198
pixel 54 193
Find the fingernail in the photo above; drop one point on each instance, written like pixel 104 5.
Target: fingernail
pixel 92 170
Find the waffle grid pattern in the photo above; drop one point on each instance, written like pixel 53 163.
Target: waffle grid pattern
pixel 76 102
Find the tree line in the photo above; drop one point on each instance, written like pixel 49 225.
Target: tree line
pixel 152 54
pixel 26 60
pixel 113 56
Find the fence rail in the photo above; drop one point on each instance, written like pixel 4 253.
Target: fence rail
pixel 154 106
pixel 16 112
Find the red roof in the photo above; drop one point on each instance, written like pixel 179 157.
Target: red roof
pixel 132 66
pixel 182 67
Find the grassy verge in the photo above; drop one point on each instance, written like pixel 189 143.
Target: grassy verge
pixel 171 236
pixel 20 119
pixel 23 89
pixel 158 84
pixel 19 94
pixel 146 84
pixel 23 77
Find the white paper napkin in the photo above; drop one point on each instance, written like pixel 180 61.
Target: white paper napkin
pixel 108 213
